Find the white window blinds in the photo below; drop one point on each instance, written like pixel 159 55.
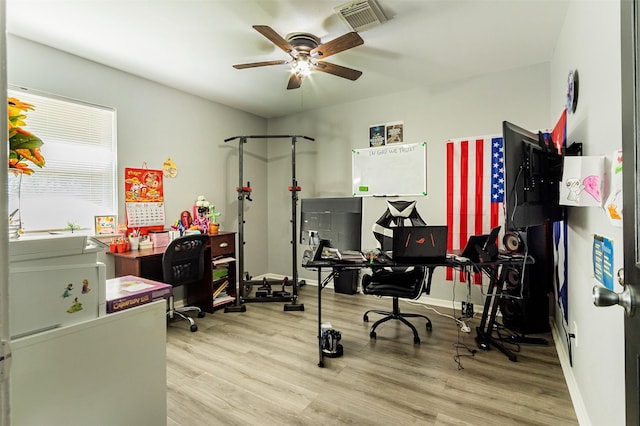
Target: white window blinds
pixel 79 178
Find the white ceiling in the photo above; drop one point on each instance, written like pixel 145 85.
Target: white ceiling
pixel 191 45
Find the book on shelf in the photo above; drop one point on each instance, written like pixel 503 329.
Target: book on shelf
pixel 223 300
pixel 220 272
pixel 220 288
pixel 222 260
pixel 130 291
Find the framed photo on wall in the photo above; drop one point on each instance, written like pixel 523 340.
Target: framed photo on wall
pixel 105 225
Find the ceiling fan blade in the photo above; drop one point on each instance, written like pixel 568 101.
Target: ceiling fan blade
pixel 259 64
pixel 339 70
pixel 274 37
pixel 295 82
pixel 337 45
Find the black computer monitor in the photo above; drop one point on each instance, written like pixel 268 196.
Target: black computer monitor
pixel 338 220
pixel 533 171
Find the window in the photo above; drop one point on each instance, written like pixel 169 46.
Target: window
pixel 78 180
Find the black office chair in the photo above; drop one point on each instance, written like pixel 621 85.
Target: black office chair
pixel 395 282
pixel 183 263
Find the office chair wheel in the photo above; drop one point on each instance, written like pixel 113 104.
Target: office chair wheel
pixel 194 328
pixel 201 314
pixel 365 318
pixel 429 327
pixel 416 340
pixel 372 334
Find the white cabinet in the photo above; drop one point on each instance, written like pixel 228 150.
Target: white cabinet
pixel 54 282
pixel 107 371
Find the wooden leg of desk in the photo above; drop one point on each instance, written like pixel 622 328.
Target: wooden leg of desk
pixel 124 266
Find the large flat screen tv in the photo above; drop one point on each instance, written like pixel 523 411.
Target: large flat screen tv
pixel 338 220
pixel 533 171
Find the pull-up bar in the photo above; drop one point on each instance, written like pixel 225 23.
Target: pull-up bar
pixel 244 192
pixel 269 137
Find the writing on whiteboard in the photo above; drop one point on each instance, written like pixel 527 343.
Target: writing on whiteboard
pixel 393 150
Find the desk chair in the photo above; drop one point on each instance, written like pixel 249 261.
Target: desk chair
pixel 182 264
pixel 395 282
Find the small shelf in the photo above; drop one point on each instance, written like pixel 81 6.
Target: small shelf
pixel 222 261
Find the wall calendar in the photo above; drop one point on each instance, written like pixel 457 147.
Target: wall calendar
pixel 140 215
pixel 144 198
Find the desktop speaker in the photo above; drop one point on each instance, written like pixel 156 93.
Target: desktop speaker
pixel 525 307
pixel 512 242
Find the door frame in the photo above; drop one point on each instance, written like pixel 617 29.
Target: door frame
pixel 630 101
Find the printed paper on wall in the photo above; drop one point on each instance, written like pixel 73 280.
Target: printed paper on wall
pixel 582 181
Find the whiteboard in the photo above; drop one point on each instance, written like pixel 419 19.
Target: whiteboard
pixel 390 170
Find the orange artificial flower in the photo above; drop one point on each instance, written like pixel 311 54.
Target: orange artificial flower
pixel 23 145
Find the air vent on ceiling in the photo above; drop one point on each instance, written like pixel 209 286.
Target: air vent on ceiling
pixel 361 15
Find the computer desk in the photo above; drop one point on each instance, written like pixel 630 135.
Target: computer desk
pixel 147 263
pixel 496 270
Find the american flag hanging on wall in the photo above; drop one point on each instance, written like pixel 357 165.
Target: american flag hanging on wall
pixel 475 191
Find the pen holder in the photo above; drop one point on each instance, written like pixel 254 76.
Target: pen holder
pixel 134 242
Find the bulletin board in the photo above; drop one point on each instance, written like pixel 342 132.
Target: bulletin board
pixel 390 170
pixel 144 198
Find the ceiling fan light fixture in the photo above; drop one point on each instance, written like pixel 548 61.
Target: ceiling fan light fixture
pixel 301 67
pixel 307 53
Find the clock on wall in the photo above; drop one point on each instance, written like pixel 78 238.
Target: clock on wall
pixel 572 91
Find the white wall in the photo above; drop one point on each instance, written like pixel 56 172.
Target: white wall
pixel 156 122
pixel 468 108
pixel 590 43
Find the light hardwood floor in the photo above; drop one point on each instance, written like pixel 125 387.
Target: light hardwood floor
pixel 260 368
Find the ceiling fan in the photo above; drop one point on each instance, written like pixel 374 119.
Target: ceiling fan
pixel 306 50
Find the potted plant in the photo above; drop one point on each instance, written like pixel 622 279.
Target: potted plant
pixel 214 226
pixel 72 226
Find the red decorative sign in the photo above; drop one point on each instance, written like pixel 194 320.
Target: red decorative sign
pixel 143 185
pixel 144 199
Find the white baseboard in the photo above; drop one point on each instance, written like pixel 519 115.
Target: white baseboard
pixel 567 370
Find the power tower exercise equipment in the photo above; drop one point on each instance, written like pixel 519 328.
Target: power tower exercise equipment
pixel 264 293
